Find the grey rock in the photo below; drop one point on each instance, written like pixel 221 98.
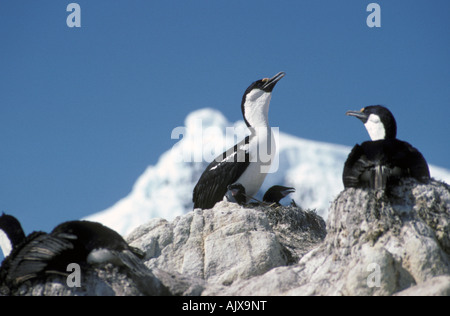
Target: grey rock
pixel 107 280
pixel 228 243
pixel 438 286
pixel 374 243
pixel 377 244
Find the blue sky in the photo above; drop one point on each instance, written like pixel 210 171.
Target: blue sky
pixel 83 111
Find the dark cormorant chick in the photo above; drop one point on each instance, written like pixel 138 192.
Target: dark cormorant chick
pixel 276 193
pixel 236 194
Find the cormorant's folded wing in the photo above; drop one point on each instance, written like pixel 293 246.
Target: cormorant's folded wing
pixel 357 163
pixel 223 171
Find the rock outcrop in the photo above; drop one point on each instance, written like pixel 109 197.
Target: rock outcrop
pixel 228 243
pixel 106 280
pixel 376 245
pixel 373 244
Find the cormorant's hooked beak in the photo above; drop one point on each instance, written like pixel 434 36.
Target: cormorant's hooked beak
pixel 358 114
pixel 287 191
pixel 270 83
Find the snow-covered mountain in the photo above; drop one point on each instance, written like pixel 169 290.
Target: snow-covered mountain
pixel 165 190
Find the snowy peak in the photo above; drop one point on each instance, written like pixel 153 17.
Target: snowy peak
pixel 165 190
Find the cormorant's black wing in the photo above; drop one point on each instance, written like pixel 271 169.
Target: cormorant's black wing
pixel 357 163
pixel 377 164
pixel 223 171
pixel 33 257
pixel 410 160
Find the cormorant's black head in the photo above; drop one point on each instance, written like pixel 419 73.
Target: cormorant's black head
pixel 11 233
pixel 236 194
pixel 276 193
pixel 378 120
pixel 256 101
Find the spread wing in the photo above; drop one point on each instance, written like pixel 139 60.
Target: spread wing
pixel 223 171
pixel 374 163
pixel 34 256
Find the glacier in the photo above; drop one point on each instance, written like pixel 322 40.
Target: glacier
pixel 165 189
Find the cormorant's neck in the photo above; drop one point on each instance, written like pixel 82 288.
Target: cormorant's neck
pixel 376 131
pixel 5 244
pixel 256 112
pixel 11 234
pixel 381 128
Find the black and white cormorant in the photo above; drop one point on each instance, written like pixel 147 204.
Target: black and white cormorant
pixel 381 162
pixel 248 162
pixel 276 193
pixel 81 242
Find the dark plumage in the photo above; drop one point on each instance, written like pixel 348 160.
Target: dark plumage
pixel 236 194
pixel 81 242
pixel 382 162
pixel 276 193
pixel 214 182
